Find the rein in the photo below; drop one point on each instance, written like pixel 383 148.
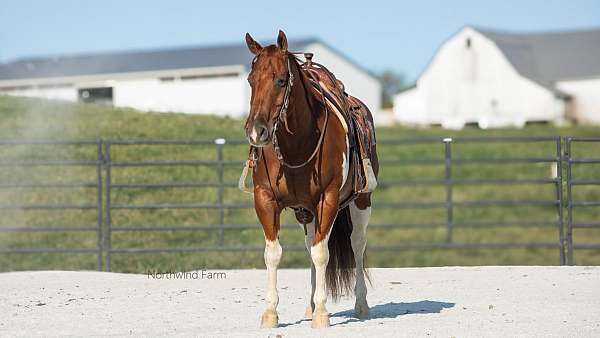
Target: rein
pixel 282 117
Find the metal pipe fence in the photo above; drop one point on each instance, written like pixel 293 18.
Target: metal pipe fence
pixel 105 187
pixel 450 184
pixel 574 204
pixel 94 181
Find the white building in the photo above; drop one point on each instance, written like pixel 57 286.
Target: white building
pixel 198 80
pixel 498 79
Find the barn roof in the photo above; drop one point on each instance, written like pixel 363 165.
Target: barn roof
pixel 136 61
pixel 550 56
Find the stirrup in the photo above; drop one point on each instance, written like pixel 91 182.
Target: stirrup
pixel 370 179
pixel 242 182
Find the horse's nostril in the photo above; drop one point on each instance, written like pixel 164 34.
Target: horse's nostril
pixel 263 135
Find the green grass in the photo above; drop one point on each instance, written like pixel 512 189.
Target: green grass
pixel 40 119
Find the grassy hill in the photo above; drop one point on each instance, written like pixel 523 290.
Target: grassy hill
pixel 41 119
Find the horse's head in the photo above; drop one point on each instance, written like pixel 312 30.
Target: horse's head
pixel 269 81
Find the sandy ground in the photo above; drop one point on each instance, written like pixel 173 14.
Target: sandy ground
pixel 420 302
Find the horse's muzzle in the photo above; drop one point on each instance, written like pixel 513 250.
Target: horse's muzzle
pixel 258 134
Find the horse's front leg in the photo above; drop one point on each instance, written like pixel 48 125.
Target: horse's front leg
pixel 319 252
pixel 268 214
pixel 308 241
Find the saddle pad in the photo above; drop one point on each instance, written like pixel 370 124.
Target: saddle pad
pixel 344 106
pixel 327 88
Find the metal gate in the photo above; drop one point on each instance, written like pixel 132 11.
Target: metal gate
pixel 92 180
pixel 100 156
pixel 591 220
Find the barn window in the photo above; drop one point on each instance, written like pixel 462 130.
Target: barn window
pixel 101 95
pixel 468 43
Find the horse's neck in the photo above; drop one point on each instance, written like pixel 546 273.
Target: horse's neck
pixel 296 147
pixel 302 122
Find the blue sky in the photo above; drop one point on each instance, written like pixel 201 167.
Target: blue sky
pixel 398 35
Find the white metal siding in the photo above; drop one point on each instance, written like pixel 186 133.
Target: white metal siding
pixel 476 85
pixel 58 93
pixel 219 95
pixel 586 98
pixel 204 95
pixel 412 108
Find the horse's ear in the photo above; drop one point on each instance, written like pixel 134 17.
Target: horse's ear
pixel 253 46
pixel 282 41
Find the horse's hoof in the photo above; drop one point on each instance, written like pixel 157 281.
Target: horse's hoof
pixel 361 311
pixel 308 313
pixel 320 320
pixel 269 319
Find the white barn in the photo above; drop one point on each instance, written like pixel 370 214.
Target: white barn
pixel 496 79
pixel 196 80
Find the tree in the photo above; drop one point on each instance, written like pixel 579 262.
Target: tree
pixel 392 83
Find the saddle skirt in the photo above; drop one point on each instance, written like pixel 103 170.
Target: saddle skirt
pixel 356 119
pixel 354 115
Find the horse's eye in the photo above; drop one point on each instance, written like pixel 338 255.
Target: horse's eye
pixel 280 82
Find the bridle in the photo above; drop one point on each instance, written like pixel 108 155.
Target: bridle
pixel 282 114
pixel 281 117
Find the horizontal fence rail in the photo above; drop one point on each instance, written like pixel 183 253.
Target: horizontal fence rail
pixel 450 205
pixel 109 161
pixel 94 182
pixel 573 204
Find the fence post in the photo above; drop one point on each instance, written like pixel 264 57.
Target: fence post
pixel 107 237
pixel 448 180
pixel 559 197
pixel 99 201
pixel 220 142
pixel 570 254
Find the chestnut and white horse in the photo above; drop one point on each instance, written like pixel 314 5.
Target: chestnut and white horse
pixel 300 159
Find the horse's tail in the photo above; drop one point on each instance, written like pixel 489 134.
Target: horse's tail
pixel 340 269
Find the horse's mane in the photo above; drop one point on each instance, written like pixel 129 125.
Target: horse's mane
pixel 313 101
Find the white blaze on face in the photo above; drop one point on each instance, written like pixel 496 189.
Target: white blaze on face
pixel 254 134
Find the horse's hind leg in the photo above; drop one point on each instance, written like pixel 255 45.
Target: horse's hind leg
pixel 308 239
pixel 360 220
pixel 319 252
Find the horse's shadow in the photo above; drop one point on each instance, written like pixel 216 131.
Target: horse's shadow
pixel 389 310
pixel 393 310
